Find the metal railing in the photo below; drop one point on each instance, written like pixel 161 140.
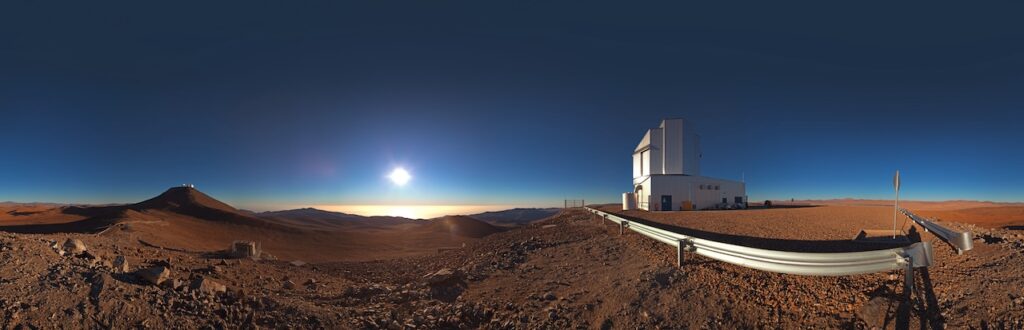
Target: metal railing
pixel 960 240
pixel 569 203
pixel 799 263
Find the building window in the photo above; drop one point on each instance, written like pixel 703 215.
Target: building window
pixel 716 187
pixel 701 187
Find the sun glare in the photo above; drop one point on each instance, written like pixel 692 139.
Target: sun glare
pixel 399 176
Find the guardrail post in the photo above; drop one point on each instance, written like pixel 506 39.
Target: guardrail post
pixel 909 280
pixel 622 227
pixel 683 246
pixel 680 245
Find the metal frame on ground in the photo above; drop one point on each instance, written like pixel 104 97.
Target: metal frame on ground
pixel 960 240
pixel 798 263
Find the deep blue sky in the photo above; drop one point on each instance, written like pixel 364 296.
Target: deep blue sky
pixel 511 103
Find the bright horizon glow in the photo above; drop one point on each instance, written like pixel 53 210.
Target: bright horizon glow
pixel 399 176
pixel 414 211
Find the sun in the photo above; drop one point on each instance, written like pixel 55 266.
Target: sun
pixel 399 176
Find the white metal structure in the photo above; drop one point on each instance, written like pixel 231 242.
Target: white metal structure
pixel 628 201
pixel 666 172
pixel 799 263
pixel 961 241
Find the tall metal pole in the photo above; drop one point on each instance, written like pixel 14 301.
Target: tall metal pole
pixel 896 205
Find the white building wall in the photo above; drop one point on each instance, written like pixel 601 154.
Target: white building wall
pixel 637 172
pixel 672 146
pixel 656 152
pixel 645 163
pixel 691 152
pixel 689 188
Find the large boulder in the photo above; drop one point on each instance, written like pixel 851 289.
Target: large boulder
pixel 74 246
pixel 154 275
pixel 443 277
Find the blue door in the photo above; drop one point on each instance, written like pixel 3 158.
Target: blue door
pixel 666 202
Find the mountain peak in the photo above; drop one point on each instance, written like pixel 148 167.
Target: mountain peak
pixel 184 198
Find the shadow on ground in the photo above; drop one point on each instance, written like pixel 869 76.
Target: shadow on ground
pixel 795 245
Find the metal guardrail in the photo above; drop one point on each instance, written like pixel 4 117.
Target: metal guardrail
pixel 799 263
pixel 960 240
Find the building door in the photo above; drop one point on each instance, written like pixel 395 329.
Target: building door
pixel 641 200
pixel 666 202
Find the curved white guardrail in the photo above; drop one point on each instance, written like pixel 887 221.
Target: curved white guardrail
pixel 799 263
pixel 960 240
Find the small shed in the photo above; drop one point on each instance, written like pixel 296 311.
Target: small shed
pixel 245 249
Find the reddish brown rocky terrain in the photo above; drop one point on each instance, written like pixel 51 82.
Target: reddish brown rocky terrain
pixel 569 271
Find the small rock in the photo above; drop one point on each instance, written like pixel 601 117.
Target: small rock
pixel 549 296
pixel 120 264
pixel 74 246
pixel 154 275
pixel 173 284
pixel 297 263
pixel 873 313
pixel 289 285
pixel 207 285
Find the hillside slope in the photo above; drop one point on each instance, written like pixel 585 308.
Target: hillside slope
pixel 516 216
pixel 460 225
pixel 571 271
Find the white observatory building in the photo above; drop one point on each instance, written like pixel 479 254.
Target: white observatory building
pixel 666 174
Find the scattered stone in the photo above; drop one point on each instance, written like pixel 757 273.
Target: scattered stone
pixel 549 296
pixel 207 285
pixel 154 275
pixel 289 285
pixel 90 256
pixel 173 284
pixel 873 313
pixel 297 263
pixel 443 276
pixel 120 264
pixel 74 246
pixel 99 283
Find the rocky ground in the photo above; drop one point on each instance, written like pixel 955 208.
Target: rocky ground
pixel 572 271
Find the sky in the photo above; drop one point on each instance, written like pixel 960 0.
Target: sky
pixel 269 105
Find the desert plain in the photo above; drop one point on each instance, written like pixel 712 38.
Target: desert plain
pixel 163 263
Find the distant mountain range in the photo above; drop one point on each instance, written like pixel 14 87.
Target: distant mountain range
pixel 186 219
